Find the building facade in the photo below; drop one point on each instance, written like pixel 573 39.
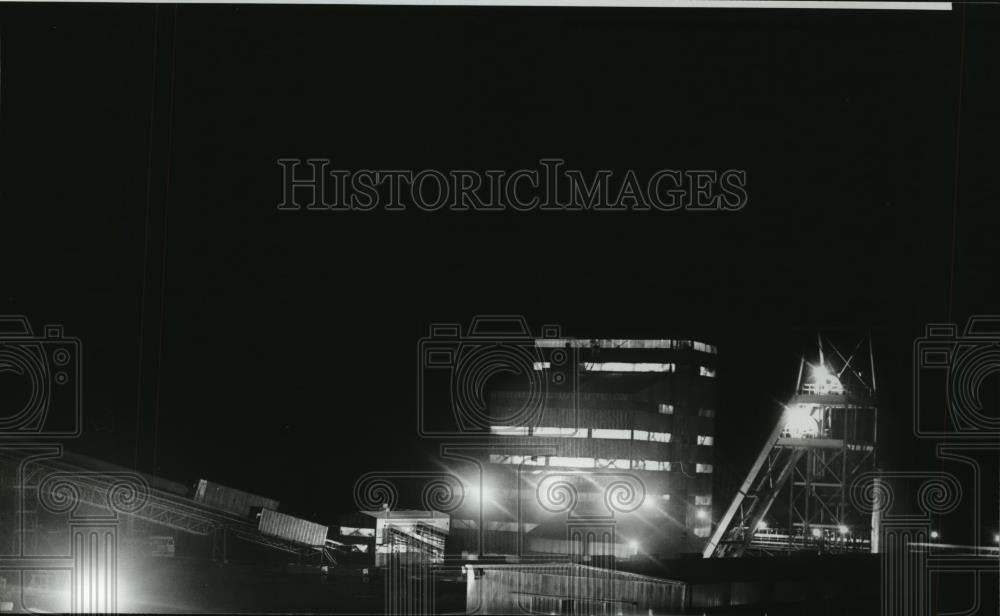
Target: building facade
pixel 606 448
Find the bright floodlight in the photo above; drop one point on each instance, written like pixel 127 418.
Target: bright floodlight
pixel 800 421
pixel 820 372
pixel 701 514
pixel 824 381
pixel 633 546
pixel 934 534
pixel 762 525
pixel 817 533
pixel 996 538
pixel 843 530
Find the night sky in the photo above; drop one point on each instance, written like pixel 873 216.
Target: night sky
pixel 276 352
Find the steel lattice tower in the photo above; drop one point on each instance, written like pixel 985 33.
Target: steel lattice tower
pixel 797 494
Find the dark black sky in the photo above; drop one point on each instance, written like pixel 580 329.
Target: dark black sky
pixel 139 144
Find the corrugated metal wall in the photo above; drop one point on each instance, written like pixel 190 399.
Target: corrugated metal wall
pixel 231 500
pixel 569 589
pixel 291 528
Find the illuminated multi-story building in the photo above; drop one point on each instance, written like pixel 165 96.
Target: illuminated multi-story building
pixel 607 448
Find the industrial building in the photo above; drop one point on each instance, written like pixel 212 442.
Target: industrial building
pixel 604 450
pixel 792 586
pixel 409 537
pixel 568 589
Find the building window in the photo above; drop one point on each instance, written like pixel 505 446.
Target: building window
pixel 702 531
pixel 666 409
pixel 709 372
pixel 650 465
pixel 706 440
pixel 510 430
pixel 611 433
pixel 656 437
pixel 666 497
pixel 624 366
pixel 703 468
pixel 703 500
pixel 706 412
pixel 705 348
pixel 579 433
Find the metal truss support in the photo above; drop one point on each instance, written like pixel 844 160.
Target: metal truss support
pixel 126 494
pixel 797 493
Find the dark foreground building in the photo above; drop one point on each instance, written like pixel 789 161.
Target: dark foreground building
pixel 568 589
pixel 797 585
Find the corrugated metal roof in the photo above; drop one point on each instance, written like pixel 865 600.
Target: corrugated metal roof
pixel 575 568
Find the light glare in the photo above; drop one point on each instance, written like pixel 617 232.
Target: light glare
pixel 800 422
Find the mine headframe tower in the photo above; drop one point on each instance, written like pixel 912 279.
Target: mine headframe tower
pixel 796 496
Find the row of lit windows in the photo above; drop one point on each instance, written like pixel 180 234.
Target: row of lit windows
pixel 627 366
pixel 618 343
pixel 615 366
pixel 580 462
pixel 606 433
pixel 577 462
